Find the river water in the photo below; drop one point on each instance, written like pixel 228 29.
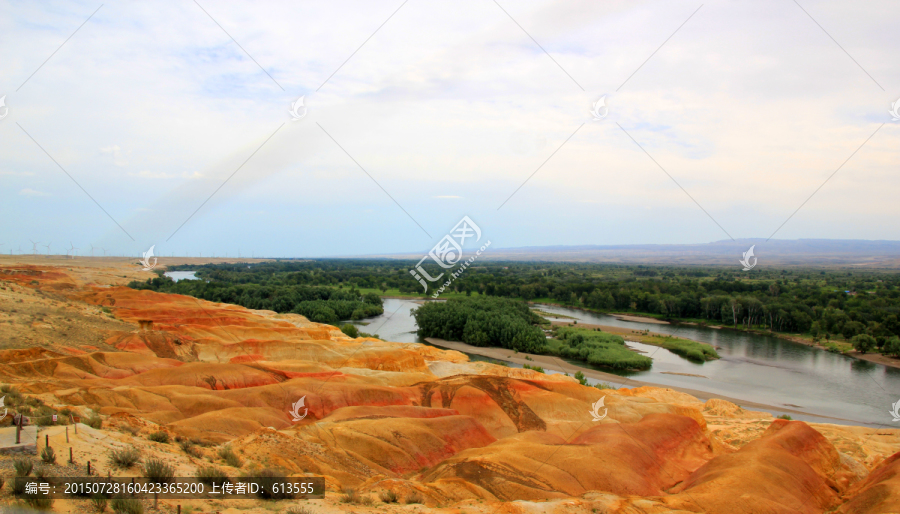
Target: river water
pixel 753 367
pixel 181 275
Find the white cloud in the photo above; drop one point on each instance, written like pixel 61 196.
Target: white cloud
pixel 32 192
pixel 116 153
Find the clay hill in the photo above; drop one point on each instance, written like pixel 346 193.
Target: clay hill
pixel 440 432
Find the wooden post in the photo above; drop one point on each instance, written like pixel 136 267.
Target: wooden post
pixel 67 434
pixel 73 422
pixel 19 430
pixel 47 440
pixel 71 460
pixel 179 509
pixel 89 468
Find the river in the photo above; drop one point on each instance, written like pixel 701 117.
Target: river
pixel 181 275
pixel 753 367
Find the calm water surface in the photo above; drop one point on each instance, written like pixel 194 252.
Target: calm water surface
pixel 753 367
pixel 181 275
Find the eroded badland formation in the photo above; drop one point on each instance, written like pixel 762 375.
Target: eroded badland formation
pixel 462 436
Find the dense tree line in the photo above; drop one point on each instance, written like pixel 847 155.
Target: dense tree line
pixel 319 304
pixel 482 321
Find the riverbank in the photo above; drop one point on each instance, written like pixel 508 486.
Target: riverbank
pixel 556 364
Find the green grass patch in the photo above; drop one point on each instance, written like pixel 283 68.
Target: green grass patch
pixel 595 348
pixel 691 350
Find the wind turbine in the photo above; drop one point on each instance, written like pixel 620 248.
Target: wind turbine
pixel 92 250
pixel 34 247
pixel 48 248
pixel 71 250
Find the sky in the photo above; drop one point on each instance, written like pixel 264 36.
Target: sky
pixel 131 124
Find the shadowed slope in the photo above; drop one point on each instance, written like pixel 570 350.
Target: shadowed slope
pixel 790 469
pixel 880 492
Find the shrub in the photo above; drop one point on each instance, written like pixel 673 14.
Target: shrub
pixel 41 472
pixel 39 503
pixel 603 385
pixel 157 471
pixel 98 502
pixel 230 458
pixel 579 376
pixel 785 416
pixel 159 436
pixel 389 497
pixel 267 477
pixel 127 506
pixel 534 368
pixel 190 448
pixel 130 429
pixel 48 455
pixel 23 466
pixel 350 496
pixel 94 421
pixel 124 457
pixel 210 475
pixel 414 497
pixel 350 330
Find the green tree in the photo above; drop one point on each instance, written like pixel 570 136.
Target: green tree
pixel 852 329
pixel 892 347
pixel 863 343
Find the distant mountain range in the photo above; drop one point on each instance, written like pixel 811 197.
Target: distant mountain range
pixel 783 252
